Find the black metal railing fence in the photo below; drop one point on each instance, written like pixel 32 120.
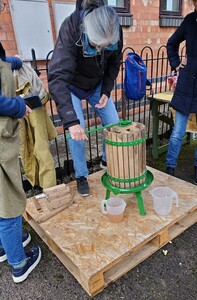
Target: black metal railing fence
pixel 158 70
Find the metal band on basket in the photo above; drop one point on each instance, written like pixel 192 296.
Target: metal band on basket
pixel 125 144
pixel 127 180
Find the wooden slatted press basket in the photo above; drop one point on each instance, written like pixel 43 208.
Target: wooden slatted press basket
pixel 126 155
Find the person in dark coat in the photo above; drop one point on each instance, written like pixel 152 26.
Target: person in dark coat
pixel 184 100
pixel 84 65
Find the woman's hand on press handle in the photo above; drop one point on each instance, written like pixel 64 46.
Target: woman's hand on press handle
pixel 102 102
pixel 77 133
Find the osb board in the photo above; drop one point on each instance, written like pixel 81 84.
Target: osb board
pixel 96 251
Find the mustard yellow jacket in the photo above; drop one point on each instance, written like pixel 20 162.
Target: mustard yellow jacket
pixel 36 131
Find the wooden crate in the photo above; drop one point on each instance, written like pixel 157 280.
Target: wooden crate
pixel 98 252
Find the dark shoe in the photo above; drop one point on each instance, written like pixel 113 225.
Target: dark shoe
pixel 82 186
pixel 37 190
pixel 170 171
pixel 103 165
pixel 195 175
pixel 26 238
pixel 33 258
pixel 3 256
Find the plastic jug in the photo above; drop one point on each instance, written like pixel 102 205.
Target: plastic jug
pixel 162 200
pixel 113 208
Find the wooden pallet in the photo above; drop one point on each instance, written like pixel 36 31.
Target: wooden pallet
pixel 98 252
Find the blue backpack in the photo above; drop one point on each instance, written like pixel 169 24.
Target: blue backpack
pixel 135 80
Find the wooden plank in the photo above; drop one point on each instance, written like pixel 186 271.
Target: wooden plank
pixel 96 284
pixel 119 138
pixel 115 157
pixel 164 97
pixel 65 201
pixel 136 158
pixel 109 153
pixel 107 149
pixel 129 262
pixel 143 155
pixel 126 158
pixel 131 156
pixel 161 238
pixel 45 211
pixel 37 204
pixel 183 224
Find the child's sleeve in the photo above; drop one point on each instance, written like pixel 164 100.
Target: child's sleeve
pixel 12 107
pixel 16 62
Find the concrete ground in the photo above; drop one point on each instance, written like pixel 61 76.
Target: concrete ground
pixel 160 277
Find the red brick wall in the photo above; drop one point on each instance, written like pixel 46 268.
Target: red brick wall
pixel 145 29
pixel 7 36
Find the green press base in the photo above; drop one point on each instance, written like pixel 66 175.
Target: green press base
pixel 137 190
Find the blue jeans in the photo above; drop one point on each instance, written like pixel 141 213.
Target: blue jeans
pixel 195 157
pixel 11 240
pixel 176 140
pixel 108 115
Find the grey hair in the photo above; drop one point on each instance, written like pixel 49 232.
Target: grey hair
pixel 102 26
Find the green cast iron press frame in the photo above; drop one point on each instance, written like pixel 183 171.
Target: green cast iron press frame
pixel 106 178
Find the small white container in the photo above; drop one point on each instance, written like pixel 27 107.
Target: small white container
pixel 113 208
pixel 162 200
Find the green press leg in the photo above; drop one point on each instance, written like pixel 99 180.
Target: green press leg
pixel 107 194
pixel 155 129
pixel 140 203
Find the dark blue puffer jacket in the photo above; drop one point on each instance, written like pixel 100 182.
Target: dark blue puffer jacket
pixel 185 95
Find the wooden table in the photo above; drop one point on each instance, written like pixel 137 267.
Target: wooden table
pixel 158 100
